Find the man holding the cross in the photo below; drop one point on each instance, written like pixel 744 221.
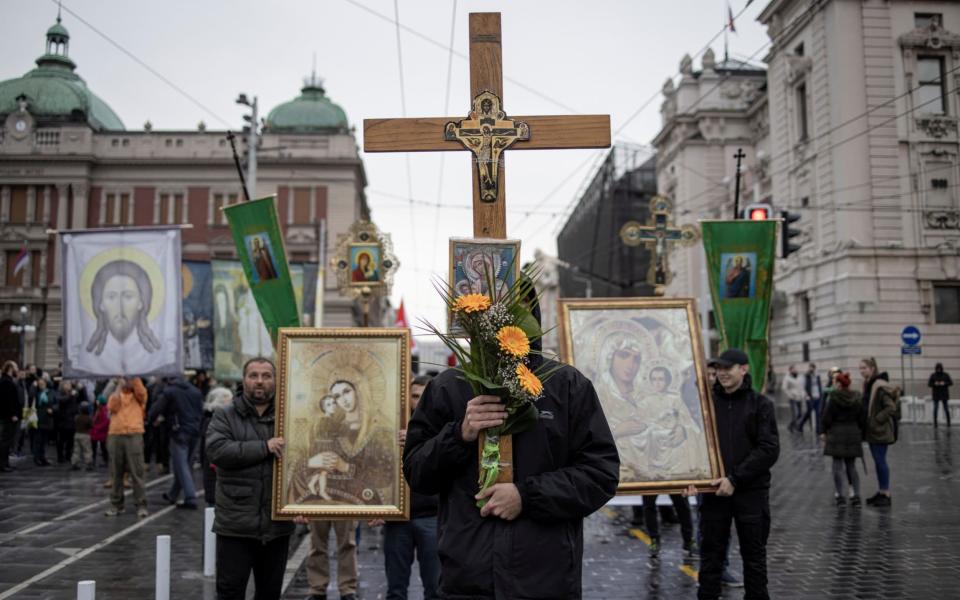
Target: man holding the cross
pixel 527 541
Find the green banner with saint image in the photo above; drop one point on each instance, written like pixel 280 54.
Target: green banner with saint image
pixel 740 259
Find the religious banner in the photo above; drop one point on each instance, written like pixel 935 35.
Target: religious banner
pixel 197 290
pixel 259 241
pixel 239 333
pixel 740 259
pixel 645 359
pixel 342 399
pixel 121 302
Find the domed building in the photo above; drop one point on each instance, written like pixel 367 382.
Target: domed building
pixel 53 93
pixel 67 161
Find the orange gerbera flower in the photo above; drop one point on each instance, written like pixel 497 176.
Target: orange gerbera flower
pixel 513 341
pixel 528 381
pixel 470 303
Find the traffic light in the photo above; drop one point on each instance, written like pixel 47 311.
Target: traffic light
pixel 788 232
pixel 758 212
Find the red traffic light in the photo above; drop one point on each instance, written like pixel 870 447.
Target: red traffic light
pixel 758 212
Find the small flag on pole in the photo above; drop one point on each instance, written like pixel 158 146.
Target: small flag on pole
pixel 22 260
pixel 402 322
pixel 730 23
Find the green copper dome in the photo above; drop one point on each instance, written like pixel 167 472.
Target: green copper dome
pixel 312 111
pixel 53 93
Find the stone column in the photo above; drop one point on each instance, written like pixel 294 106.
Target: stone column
pixel 31 203
pixel 63 208
pixel 5 204
pixel 80 205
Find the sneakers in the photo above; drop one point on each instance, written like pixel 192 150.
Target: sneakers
pixel 187 505
pixel 691 549
pixel 730 580
pixel 654 547
pixel 113 512
pixel 142 512
pixel 166 497
pixel 879 499
pixel 841 501
pixel 855 501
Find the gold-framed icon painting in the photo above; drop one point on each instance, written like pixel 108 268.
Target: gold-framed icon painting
pixel 342 399
pixel 646 361
pixel 476 262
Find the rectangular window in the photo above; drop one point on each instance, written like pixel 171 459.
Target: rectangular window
pixel 35 267
pixel 802 125
pixel 18 204
pixel 11 263
pixel 806 312
pixel 301 206
pixel 947 303
pixel 116 209
pixel 171 209
pixel 806 352
pixel 939 189
pixel 924 20
pixel 931 97
pixel 798 50
pixel 222 200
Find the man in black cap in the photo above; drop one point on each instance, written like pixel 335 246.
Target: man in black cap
pixel 749 447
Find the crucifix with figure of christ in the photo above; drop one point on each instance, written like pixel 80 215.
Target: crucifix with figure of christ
pixel 486 133
pixel 633 234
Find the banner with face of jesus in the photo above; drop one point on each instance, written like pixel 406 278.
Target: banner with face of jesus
pixel 121 302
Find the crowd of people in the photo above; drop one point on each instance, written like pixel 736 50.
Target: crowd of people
pixel 125 424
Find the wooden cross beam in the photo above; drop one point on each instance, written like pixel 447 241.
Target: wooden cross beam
pixel 432 134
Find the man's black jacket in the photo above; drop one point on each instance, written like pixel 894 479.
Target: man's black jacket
pixel 565 468
pixel 747 432
pixel 181 404
pixel 9 398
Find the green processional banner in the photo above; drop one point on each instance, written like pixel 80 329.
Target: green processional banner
pixel 740 257
pixel 256 232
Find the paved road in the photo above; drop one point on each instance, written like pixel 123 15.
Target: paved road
pixel 53 534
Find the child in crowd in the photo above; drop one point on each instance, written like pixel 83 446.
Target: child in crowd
pixel 82 451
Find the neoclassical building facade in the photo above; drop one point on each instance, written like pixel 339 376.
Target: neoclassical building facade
pixel 68 162
pixel 854 126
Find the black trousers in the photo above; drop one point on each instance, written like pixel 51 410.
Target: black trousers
pixel 64 444
pixel 8 430
pixel 237 556
pixel 750 511
pixel 652 523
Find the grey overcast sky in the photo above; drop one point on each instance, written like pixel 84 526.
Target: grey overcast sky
pixel 603 56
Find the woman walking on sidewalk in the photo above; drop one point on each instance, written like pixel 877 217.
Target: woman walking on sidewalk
pixel 880 425
pixel 843 434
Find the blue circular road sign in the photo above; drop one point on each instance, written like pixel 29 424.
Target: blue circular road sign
pixel 910 336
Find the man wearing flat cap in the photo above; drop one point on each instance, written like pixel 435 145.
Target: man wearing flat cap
pixel 749 447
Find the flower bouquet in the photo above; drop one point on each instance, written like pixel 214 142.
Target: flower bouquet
pixel 499 358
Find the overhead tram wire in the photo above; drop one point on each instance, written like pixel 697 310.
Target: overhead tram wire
pixel 143 64
pixel 446 111
pixel 406 155
pixel 643 106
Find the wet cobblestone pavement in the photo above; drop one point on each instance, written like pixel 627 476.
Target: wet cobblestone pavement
pixel 53 534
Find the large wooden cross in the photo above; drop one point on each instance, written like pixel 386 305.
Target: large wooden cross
pixel 486 133
pixel 431 134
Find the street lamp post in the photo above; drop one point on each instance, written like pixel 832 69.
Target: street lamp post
pixel 253 135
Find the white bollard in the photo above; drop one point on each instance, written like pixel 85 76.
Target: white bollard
pixel 209 544
pixel 163 567
pixel 86 590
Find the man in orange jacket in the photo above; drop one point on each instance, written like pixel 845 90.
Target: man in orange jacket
pixel 127 407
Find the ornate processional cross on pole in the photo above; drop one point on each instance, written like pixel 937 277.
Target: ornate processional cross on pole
pixel 633 234
pixel 486 133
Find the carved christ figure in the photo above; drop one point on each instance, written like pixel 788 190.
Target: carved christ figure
pixel 487 132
